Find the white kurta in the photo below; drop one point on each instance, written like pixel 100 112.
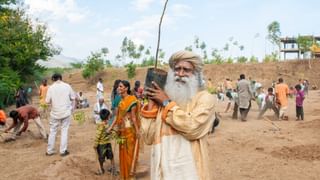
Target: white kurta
pixel 245 93
pixel 99 91
pixel 179 138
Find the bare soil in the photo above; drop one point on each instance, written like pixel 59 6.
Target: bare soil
pixel 256 149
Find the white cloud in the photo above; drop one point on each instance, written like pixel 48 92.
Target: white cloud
pixel 139 31
pixel 146 28
pixel 57 9
pixel 141 5
pixel 180 10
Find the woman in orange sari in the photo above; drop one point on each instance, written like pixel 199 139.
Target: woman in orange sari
pixel 128 129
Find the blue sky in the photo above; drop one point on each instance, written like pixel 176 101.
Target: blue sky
pixel 82 26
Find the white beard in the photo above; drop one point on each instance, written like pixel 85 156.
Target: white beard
pixel 181 90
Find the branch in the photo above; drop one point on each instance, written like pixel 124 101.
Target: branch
pixel 157 50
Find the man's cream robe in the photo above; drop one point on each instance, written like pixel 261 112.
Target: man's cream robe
pixel 179 138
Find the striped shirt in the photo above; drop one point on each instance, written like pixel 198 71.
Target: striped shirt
pixel 101 134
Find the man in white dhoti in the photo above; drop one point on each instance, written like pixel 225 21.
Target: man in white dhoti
pixel 99 89
pixel 176 121
pixel 97 108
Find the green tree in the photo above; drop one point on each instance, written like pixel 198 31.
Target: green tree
pixel 274 34
pixel 108 63
pixel 148 61
pixel 196 42
pixel 242 59
pixel 9 82
pixel 188 48
pixel 131 50
pixel 304 43
pixel 94 64
pixel 22 43
pixel 271 57
pixel 253 59
pixel 229 60
pixel 147 52
pixel 216 57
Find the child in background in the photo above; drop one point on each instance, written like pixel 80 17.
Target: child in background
pixel 220 95
pixel 299 102
pixel 269 103
pixel 102 144
pixel 292 92
pixel 261 98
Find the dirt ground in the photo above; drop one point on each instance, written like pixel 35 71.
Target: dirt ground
pixel 256 149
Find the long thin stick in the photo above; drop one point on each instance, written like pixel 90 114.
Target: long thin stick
pixel 35 83
pixel 278 128
pixel 97 159
pixel 7 132
pixel 159 32
pixel 134 159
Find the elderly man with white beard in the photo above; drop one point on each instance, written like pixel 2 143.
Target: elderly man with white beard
pixel 176 121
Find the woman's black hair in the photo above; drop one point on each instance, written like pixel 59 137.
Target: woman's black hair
pixel 115 87
pixel 127 85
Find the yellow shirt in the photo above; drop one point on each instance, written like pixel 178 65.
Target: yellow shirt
pixel 101 134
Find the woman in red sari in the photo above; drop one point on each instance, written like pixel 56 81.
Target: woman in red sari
pixel 128 129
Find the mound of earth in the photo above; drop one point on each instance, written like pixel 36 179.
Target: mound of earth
pixel 71 168
pixel 302 152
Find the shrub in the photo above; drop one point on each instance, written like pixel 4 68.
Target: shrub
pixel 271 58
pixel 77 65
pixel 253 59
pixel 94 64
pixel 242 59
pixel 131 70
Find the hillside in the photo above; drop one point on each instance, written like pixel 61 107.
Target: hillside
pixel 60 61
pixel 265 73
